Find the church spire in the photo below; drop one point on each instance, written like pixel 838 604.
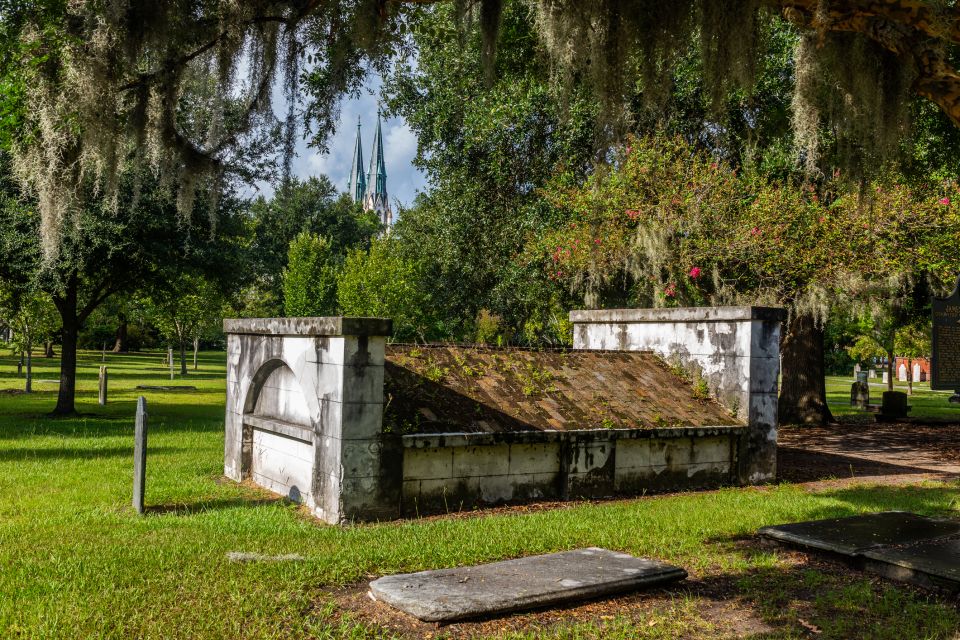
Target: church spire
pixel 377 178
pixel 358 182
pixel 376 196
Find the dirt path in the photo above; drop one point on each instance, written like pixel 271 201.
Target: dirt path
pixel 896 453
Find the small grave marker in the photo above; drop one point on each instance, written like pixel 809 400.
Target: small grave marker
pixel 140 454
pixel 170 360
pixel 102 397
pixel 945 360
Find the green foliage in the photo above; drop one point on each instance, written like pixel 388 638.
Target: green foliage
pixel 31 315
pixel 382 282
pixel 669 226
pixel 486 149
pixel 488 327
pixel 184 309
pixel 312 206
pixel 310 279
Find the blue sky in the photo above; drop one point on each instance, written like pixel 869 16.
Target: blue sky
pixel 399 148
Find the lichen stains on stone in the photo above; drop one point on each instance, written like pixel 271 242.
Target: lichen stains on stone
pixel 437 389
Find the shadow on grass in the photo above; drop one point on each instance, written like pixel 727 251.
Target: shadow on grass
pixel 75 453
pixel 187 509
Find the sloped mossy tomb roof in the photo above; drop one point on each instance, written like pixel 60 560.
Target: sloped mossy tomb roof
pixel 447 388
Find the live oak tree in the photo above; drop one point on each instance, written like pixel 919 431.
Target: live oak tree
pixel 91 83
pixel 106 252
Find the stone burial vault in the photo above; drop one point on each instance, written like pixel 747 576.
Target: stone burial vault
pixel 326 413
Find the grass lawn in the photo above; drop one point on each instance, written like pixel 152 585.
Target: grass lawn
pixel 76 561
pixel 925 403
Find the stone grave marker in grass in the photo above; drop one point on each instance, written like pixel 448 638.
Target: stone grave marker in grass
pixel 140 455
pixel 895 544
pixel 446 595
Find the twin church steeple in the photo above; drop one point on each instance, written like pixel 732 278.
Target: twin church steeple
pixel 371 189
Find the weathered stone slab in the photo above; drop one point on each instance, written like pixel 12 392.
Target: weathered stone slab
pixel 525 583
pixel 935 563
pixel 859 534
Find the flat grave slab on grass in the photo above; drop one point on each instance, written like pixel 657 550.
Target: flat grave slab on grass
pixel 446 595
pixel 935 563
pixel 857 534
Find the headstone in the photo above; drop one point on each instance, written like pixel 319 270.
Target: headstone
pixel 170 360
pixel 886 376
pixel 902 373
pixel 862 377
pixel 893 407
pixel 917 373
pixel 525 583
pixel 872 374
pixel 856 370
pixel 102 398
pixel 860 395
pixel 140 454
pixel 945 356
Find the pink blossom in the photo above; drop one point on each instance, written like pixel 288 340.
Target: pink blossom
pixel 597 241
pixel 632 213
pixel 944 201
pixel 670 290
pixel 755 231
pixel 714 165
pixel 695 272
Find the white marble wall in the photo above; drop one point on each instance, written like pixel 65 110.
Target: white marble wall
pixel 735 349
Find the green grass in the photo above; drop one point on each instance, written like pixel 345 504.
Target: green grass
pixel 926 403
pixel 76 561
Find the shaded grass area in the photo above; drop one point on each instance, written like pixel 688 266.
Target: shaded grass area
pixel 75 561
pixel 926 404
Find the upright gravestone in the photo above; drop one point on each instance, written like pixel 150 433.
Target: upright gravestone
pixel 945 361
pixel 917 373
pixel 872 373
pixel 902 373
pixel 140 454
pixel 102 398
pixel 856 371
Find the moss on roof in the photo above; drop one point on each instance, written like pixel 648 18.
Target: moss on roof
pixel 441 388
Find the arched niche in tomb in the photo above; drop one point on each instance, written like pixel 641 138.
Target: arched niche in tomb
pixel 278 435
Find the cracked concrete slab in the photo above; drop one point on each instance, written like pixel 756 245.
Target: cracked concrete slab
pixel 511 585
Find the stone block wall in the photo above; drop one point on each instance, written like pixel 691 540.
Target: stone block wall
pixel 735 349
pixel 450 472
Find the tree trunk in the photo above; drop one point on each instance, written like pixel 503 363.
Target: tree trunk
pixel 910 376
pixel 28 387
pixel 183 357
pixel 120 342
pixel 48 350
pixel 803 390
pixel 67 306
pixel 891 369
pixel 196 348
